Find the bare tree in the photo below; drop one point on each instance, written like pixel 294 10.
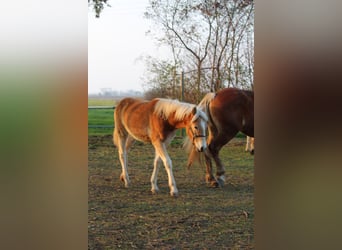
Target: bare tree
pixel 160 80
pixel 211 40
pixel 179 21
pixel 98 6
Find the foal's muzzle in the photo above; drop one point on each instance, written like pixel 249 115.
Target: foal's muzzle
pixel 193 142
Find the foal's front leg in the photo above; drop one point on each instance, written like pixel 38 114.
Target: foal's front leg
pixel 164 156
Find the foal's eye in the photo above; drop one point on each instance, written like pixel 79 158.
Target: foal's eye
pixel 196 128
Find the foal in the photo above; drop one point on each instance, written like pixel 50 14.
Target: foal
pixel 156 122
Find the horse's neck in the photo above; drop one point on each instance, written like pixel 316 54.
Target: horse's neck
pixel 181 124
pixel 178 124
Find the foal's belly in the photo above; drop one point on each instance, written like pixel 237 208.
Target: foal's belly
pixel 138 133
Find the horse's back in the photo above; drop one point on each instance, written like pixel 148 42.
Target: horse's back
pixel 233 108
pixel 229 97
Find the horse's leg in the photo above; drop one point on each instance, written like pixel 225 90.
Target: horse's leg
pixel 209 177
pixel 122 149
pixel 161 151
pixel 154 176
pixel 248 143
pixel 215 146
pixel 220 170
pixel 129 142
pixel 252 146
pixel 156 166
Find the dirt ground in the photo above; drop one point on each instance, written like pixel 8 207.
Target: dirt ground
pixel 201 217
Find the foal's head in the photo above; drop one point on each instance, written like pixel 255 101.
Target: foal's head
pixel 197 129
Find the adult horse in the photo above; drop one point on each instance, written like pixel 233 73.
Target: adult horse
pixel 156 122
pixel 229 111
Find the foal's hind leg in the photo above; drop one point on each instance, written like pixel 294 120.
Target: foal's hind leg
pixel 154 176
pixel 123 145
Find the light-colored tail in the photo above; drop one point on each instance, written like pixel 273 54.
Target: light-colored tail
pixel 116 132
pixel 194 155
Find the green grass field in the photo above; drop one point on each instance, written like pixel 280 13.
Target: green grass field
pixel 101 102
pixel 101 117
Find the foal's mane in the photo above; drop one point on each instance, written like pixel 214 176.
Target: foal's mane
pixel 165 107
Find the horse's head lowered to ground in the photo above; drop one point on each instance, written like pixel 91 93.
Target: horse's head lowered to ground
pixel 196 129
pixel 188 116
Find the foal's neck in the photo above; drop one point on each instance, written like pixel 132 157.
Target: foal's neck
pixel 179 124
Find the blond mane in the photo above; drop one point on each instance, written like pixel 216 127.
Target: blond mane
pixel 165 107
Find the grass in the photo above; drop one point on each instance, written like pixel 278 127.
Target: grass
pixel 200 218
pixel 101 116
pixel 101 101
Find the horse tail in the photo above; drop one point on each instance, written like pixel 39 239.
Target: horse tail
pixel 191 151
pixel 117 124
pixel 194 155
pixel 116 132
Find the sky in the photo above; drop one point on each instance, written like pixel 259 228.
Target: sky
pixel 115 42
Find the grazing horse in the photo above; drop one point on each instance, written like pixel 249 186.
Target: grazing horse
pixel 250 145
pixel 156 122
pixel 229 111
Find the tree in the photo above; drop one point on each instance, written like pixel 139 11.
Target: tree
pixel 160 79
pixel 210 39
pixel 179 20
pixel 97 6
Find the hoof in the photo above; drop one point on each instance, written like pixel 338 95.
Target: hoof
pixel 252 152
pixel 209 179
pixel 214 184
pixel 154 191
pixel 220 182
pixel 123 180
pixel 174 194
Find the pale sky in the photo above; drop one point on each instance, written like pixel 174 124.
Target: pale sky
pixel 115 41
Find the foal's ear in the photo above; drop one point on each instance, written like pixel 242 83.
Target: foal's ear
pixel 194 111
